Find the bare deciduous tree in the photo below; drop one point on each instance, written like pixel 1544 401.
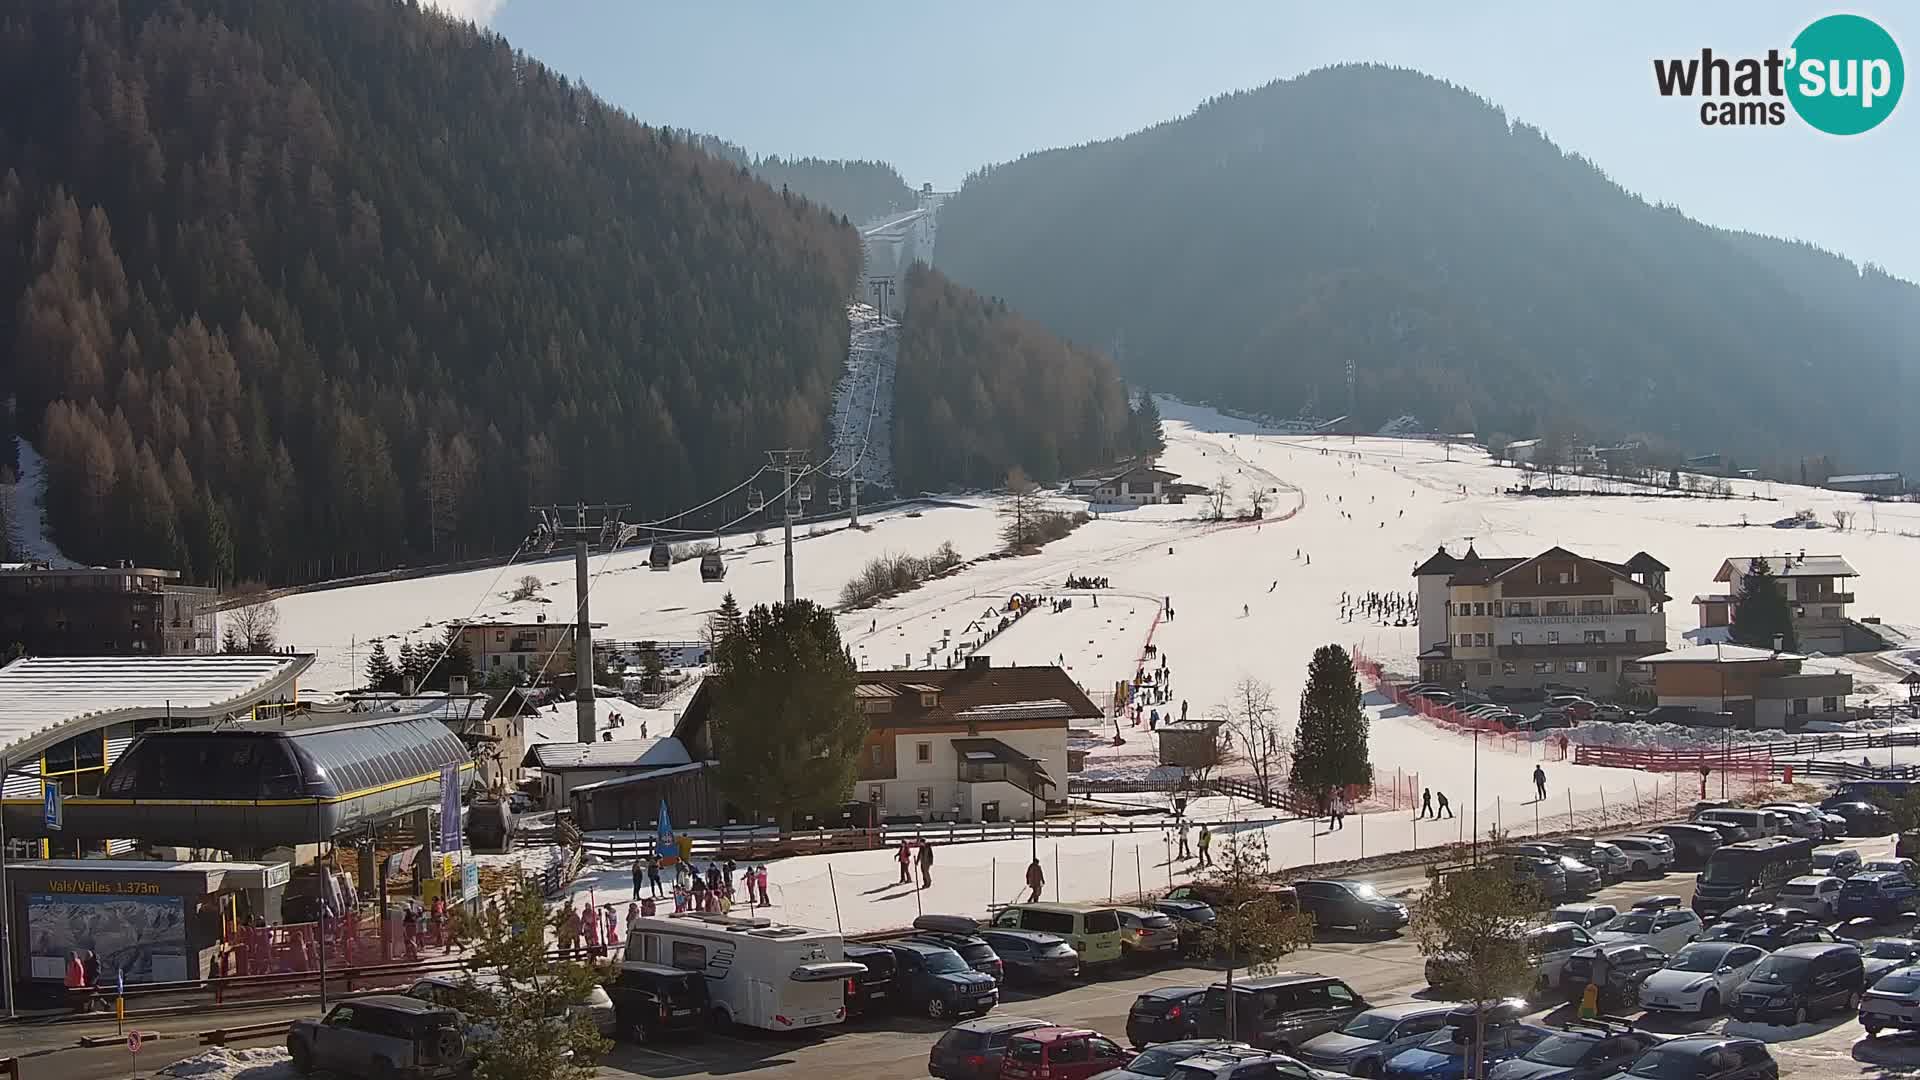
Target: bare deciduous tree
pixel 1254 724
pixel 1258 497
pixel 1217 499
pixel 527 587
pixel 252 629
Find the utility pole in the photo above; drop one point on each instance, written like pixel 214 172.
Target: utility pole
pixel 853 496
pixel 609 527
pixel 882 288
pixel 791 465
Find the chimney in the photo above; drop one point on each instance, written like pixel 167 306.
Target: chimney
pixel 1779 641
pixel 978 662
pixel 457 685
pixel 540 618
pixel 406 686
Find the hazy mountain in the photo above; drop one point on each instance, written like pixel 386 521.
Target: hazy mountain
pixel 859 190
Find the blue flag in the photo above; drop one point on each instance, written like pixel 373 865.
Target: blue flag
pixel 663 844
pixel 120 982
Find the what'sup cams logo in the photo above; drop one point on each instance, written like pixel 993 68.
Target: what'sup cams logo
pixel 1842 75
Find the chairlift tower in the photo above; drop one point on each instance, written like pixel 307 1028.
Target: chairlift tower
pixel 792 467
pixel 599 521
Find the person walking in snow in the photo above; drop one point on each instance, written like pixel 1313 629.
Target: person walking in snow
pixel 1206 846
pixel 1245 610
pixel 1036 880
pixel 1445 810
pixel 1426 802
pixel 905 857
pixel 1540 783
pixel 760 879
pixel 1183 710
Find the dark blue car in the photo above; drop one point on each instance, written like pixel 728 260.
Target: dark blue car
pixel 1878 894
pixel 1443 1056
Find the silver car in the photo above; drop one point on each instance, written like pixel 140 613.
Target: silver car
pixel 1145 934
pixel 1363 1045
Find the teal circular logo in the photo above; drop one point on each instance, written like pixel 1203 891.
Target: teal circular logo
pixel 1847 74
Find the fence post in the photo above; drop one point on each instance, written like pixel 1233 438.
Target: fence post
pixel 1112 850
pixel 1363 834
pixel 1140 885
pixel 1056 873
pixel 1636 793
pixel 1570 808
pixel 1603 808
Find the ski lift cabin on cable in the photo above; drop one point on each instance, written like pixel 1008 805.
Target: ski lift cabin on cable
pixel 712 567
pixel 833 497
pixel 661 557
pixel 755 500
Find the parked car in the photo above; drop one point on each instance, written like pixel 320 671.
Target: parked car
pixel 1147 935
pixel 1892 1002
pixel 1588 916
pixel 1092 929
pixel 1834 825
pixel 1580 707
pixel 1878 894
pixel 1608 712
pixel 973 1050
pixel 1232 1064
pixel 1627 964
pixel 1581 878
pixel 652 1002
pixel 1186 911
pixel 962 935
pixel 1349 903
pixel 1544 874
pixel 1752 824
pixel 1704 1057
pixel 1883 954
pixel 1281 1011
pixel 1363 1045
pixel 1659 902
pixel 1742 915
pixel 383 1035
pixel 1898 866
pixel 1060 1053
pixel 1547 720
pixel 1157 1062
pixel 1214 894
pixel 1699 979
pixel 1801 820
pixel 1550 946
pixel 1817 893
pixel 596 1006
pixel 1771 935
pixel 1443 1054
pixel 1644 854
pixel 1840 862
pixel 1863 819
pixel 1665 930
pixel 1580 1050
pixel 1599 854
pixel 1800 982
pixel 872 992
pixel 933 979
pixel 1029 956
pixel 1691 843
pixel 1166 1014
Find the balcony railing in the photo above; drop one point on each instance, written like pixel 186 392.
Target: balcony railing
pixel 1825 598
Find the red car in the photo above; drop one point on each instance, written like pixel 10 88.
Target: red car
pixel 1060 1053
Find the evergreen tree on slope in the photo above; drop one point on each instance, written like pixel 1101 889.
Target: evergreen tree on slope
pixel 1761 611
pixel 1330 745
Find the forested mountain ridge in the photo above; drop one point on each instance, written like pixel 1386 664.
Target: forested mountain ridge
pixel 295 288
pixel 1462 267
pixel 859 190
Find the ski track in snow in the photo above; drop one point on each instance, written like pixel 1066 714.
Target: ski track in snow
pixel 1210 572
pixel 26 516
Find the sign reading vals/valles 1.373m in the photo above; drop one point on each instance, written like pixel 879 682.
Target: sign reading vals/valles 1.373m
pixel 1842 75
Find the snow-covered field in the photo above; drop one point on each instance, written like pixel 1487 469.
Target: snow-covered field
pixel 1246 599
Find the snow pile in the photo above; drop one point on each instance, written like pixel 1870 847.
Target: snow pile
pixel 221 1063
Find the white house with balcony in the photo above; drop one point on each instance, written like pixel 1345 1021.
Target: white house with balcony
pixel 1817 591
pixel 1556 619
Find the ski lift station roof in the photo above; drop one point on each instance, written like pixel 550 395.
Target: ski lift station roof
pixel 45 699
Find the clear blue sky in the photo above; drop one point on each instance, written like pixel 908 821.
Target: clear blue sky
pixel 941 89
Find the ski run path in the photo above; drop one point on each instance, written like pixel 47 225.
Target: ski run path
pixel 1208 571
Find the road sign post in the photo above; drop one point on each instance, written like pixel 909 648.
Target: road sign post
pixel 54 811
pixel 133 1047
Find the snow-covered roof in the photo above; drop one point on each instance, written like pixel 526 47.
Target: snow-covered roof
pixel 640 777
pixel 618 754
pixel 40 696
pixel 1717 654
pixel 1863 478
pixel 1789 566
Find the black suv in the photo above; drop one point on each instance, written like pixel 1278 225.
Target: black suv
pixel 1580 1050
pixel 650 1001
pixel 962 936
pixel 1707 1057
pixel 1802 981
pixel 388 1035
pixel 1279 1012
pixel 934 979
pixel 1350 903
pixel 1166 1014
pixel 972 1050
pixel 872 992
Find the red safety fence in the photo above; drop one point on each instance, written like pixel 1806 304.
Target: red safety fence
pixel 295 947
pixel 1493 734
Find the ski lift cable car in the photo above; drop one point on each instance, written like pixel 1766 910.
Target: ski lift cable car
pixel 833 497
pixel 755 500
pixel 661 557
pixel 804 493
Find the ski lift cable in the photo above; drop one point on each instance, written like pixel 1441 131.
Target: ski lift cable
pixel 464 623
pixel 691 509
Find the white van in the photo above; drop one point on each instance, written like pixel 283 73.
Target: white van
pixel 1753 824
pixel 759 973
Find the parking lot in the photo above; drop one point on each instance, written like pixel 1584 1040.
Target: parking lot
pixel 1382 969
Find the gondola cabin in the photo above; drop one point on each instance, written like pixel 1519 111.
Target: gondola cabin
pixel 661 557
pixel 712 567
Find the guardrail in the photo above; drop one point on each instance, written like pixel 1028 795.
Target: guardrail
pixel 626 845
pixel 1745 757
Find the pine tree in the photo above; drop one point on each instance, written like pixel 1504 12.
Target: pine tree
pixel 409 663
pixel 1761 612
pixel 784 727
pixel 1330 748
pixel 454 659
pixel 652 667
pixel 381 674
pixel 724 621
pixel 1149 434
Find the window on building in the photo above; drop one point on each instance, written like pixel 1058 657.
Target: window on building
pixel 1479 641
pixel 1553 637
pixel 874 751
pixel 1575 667
pixel 1479 609
pixel 924 797
pixel 929 700
pixel 1633 635
pixel 1507 668
pixel 923 752
pixel 1830 612
pixel 1627 606
pixel 1465 640
pixel 1516 637
pixel 1558 607
pixel 1829 704
pixel 876 793
pixel 1593 607
pixel 499 637
pixel 1600 667
pixel 1521 609
pixel 1543 667
pixel 1595 637
pixel 1487 669
pixel 1799 706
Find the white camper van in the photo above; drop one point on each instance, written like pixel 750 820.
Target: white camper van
pixel 759 973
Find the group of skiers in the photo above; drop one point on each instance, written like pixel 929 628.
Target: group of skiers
pixel 1077 582
pixel 711 890
pixel 1387 608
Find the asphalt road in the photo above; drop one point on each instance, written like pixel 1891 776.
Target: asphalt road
pixel 1382 969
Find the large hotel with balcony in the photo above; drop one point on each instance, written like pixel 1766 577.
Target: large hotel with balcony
pixel 1555 619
